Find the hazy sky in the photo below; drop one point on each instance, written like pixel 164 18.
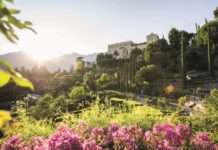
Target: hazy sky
pixel 87 26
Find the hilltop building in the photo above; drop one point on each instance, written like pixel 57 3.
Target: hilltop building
pixel 123 49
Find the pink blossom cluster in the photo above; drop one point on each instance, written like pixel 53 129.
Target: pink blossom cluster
pixel 169 137
pixel 162 137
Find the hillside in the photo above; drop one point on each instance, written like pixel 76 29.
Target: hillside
pixel 64 62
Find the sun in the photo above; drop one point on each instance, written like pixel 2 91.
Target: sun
pixel 41 56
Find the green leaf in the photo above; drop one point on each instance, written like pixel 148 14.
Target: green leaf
pixel 4 31
pixel 5 11
pixel 14 11
pixel 4 78
pixel 28 23
pixel 10 1
pixel 34 31
pixel 16 22
pixel 8 66
pixel 20 81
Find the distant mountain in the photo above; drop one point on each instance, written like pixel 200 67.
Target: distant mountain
pixel 64 62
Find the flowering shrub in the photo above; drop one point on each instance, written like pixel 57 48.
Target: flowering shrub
pixel 165 136
pixel 202 141
pixel 162 137
pixel 14 142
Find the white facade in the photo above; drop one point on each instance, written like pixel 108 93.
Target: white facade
pixel 152 38
pixel 123 49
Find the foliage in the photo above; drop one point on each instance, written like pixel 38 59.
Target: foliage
pixel 129 103
pixel 77 92
pixel 203 123
pixel 157 53
pixel 80 64
pixel 182 100
pixel 10 74
pixel 7 72
pixel 4 116
pixel 105 82
pixel 105 62
pixel 79 97
pixel 216 13
pixel 27 126
pixel 162 102
pixel 174 37
pixel 49 107
pixel 98 115
pixel 163 136
pixel 110 93
pixel 207 34
pixel 8 21
pixel 176 137
pixel 211 102
pixel 150 73
pixel 89 81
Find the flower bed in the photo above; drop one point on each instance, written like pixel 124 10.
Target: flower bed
pixel 80 137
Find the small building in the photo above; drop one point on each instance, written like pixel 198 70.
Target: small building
pixel 152 38
pixel 123 49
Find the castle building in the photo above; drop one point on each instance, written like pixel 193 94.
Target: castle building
pixel 123 49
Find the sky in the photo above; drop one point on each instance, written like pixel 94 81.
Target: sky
pixel 88 26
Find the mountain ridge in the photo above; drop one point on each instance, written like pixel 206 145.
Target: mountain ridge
pixel 64 62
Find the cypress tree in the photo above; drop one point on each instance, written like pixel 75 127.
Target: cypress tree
pixel 183 62
pixel 210 67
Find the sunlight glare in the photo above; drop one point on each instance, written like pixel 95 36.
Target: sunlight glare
pixel 41 56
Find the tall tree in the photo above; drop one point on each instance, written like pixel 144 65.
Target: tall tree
pixel 175 44
pixel 134 55
pixel 80 63
pixel 208 35
pixel 183 62
pixel 215 13
pixel 89 81
pixel 157 53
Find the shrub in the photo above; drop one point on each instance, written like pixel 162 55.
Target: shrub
pixel 111 93
pixel 162 102
pixel 163 136
pixel 182 100
pixel 48 107
pixel 79 97
pixel 28 127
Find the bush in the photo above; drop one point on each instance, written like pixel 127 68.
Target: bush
pixel 150 73
pixel 116 101
pixel 28 127
pixel 162 102
pixel 163 136
pixel 100 116
pixel 182 100
pixel 79 98
pixel 105 82
pixel 105 95
pixel 49 107
pixel 111 93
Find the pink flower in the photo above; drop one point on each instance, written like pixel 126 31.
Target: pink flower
pixel 14 142
pixel 91 145
pixel 114 127
pixel 202 141
pixel 97 132
pixel 65 139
